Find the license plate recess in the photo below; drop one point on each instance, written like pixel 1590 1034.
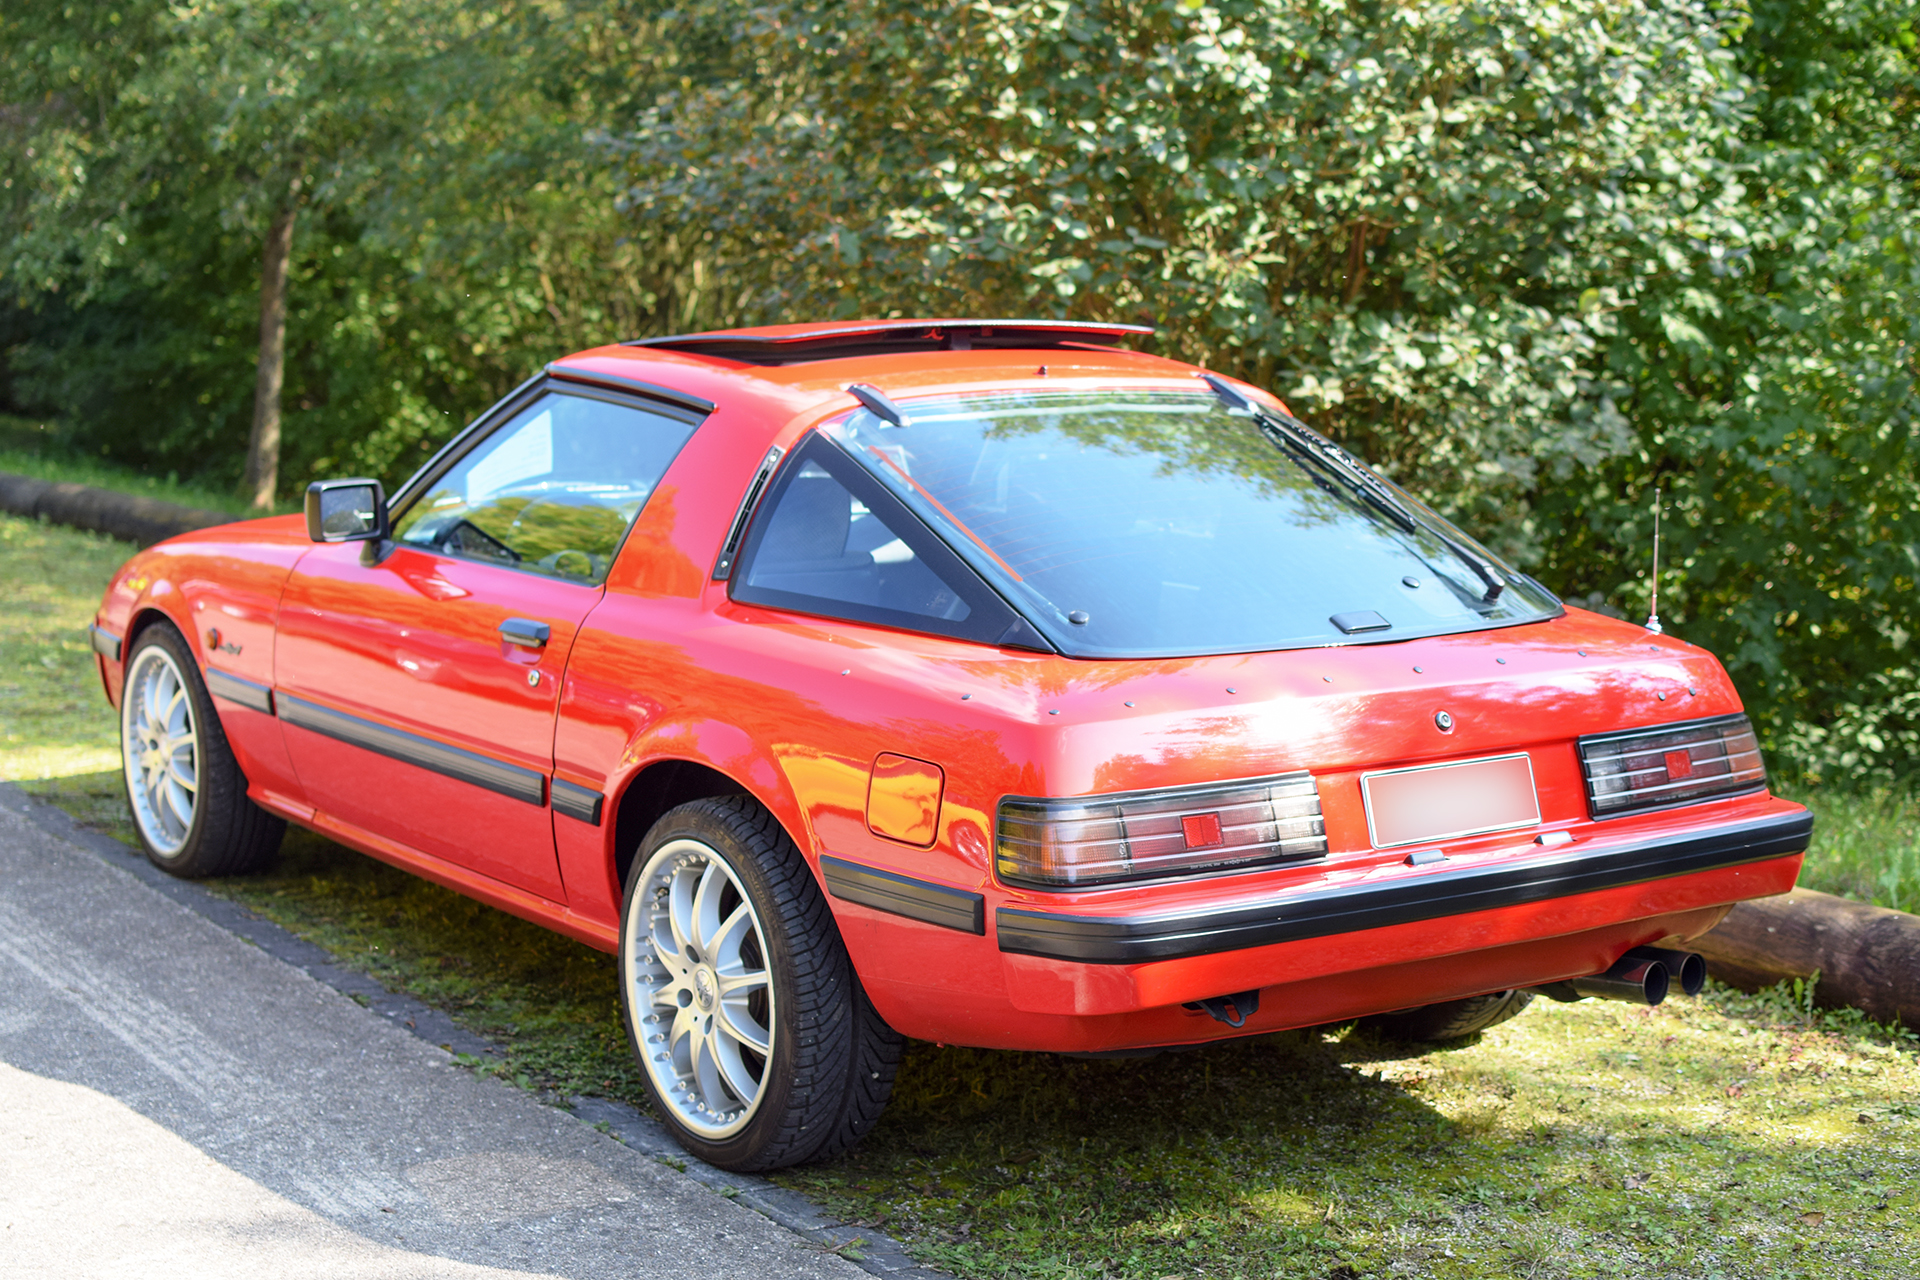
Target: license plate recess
pixel 1447 801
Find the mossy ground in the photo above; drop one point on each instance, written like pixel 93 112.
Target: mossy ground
pixel 1726 1136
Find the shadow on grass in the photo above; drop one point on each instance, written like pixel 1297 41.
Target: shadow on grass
pixel 1731 1136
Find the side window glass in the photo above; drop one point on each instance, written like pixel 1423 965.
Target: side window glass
pixel 553 490
pixel 822 545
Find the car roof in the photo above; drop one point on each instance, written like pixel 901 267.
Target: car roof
pixel 801 343
pixel 781 371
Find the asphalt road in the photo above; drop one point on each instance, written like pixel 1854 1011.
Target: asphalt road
pixel 175 1101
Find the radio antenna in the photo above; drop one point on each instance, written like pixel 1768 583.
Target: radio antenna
pixel 1653 607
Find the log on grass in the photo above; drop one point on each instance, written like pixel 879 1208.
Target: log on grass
pixel 120 515
pixel 1867 957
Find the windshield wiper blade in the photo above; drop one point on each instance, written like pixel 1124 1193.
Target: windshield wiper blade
pixel 1496 582
pixel 1286 429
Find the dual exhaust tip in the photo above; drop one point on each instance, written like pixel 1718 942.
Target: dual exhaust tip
pixel 1642 976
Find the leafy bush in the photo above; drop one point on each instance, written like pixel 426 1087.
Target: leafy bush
pixel 1535 260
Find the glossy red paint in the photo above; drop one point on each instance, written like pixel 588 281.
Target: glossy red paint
pixel 811 716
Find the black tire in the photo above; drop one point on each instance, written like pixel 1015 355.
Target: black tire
pixel 226 833
pixel 830 1060
pixel 1449 1020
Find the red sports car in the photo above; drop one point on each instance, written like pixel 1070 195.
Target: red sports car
pixel 980 681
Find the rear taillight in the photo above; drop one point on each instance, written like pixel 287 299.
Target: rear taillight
pixel 1658 768
pixel 1140 835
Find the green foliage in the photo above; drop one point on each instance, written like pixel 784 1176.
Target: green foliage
pixel 1534 260
pixel 458 227
pixel 1866 845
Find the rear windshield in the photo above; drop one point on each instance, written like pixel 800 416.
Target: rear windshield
pixel 1140 524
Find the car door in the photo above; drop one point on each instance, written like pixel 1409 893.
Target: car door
pixel 417 684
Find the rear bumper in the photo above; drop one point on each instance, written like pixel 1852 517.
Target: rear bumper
pixel 1399 900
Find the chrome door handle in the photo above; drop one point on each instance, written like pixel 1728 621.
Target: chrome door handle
pixel 525 632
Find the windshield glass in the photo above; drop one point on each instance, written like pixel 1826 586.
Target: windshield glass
pixel 1159 524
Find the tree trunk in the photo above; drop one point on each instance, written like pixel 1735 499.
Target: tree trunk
pixel 1866 956
pixel 263 446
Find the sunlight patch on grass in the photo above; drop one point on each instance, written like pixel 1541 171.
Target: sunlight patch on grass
pixel 1732 1136
pixel 54 720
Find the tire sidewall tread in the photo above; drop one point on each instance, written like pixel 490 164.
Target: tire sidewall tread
pixel 230 834
pixel 814 1102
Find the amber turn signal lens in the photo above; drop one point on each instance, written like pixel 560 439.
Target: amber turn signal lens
pixel 903 799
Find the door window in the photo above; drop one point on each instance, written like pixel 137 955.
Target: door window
pixel 553 491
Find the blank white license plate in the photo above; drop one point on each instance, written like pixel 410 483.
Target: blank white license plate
pixel 1445 801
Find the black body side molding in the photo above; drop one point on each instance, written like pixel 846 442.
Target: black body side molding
pixel 904 896
pixel 578 802
pixel 467 766
pixel 245 692
pixel 104 643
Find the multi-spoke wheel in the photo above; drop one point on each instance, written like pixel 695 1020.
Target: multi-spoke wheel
pixel 702 979
pixel 760 1047
pixel 162 748
pixel 188 797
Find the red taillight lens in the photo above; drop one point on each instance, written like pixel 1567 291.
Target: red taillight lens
pixel 1138 835
pixel 1658 768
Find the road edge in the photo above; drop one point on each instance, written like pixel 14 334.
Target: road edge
pixel 872 1251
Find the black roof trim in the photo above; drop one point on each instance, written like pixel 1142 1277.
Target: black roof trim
pixel 886 337
pixel 616 382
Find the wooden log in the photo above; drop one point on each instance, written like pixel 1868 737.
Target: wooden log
pixel 1867 957
pixel 121 515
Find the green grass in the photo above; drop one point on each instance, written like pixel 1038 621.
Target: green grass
pixel 1727 1136
pixel 54 721
pixel 1866 846
pixel 29 447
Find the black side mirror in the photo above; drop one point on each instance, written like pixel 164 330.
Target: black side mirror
pixel 346 511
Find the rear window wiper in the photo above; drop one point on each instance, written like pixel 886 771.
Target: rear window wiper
pixel 1297 437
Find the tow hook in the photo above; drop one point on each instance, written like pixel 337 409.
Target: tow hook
pixel 1234 1009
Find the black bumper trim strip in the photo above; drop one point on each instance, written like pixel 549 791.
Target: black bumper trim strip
pixel 1402 900
pixel 903 896
pixel 105 643
pixel 466 766
pixel 582 803
pixel 245 692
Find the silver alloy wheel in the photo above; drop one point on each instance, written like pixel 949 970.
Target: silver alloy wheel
pixel 701 990
pixel 161 744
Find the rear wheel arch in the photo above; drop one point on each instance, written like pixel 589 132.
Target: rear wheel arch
pixel 651 792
